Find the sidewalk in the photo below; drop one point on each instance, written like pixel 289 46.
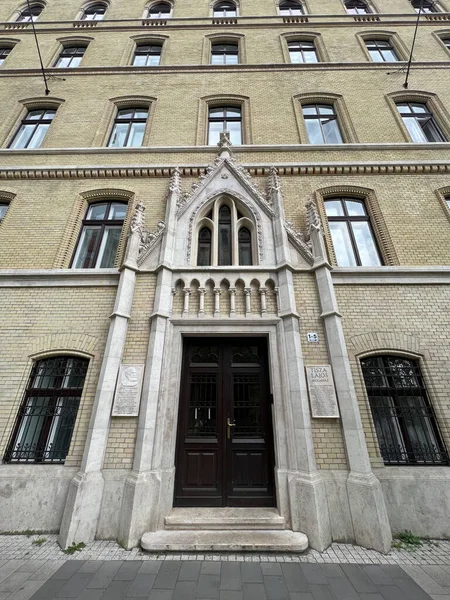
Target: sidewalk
pixel 103 570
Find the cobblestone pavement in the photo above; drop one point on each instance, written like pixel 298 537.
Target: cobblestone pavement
pixel 104 570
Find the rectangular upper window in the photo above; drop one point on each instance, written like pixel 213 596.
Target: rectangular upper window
pixel 381 51
pixel 302 51
pixel 322 124
pixel 147 55
pixel 225 118
pixel 225 54
pixel 33 128
pixel 129 128
pixel 420 122
pixel 70 57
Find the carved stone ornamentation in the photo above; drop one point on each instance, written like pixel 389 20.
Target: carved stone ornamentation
pixel 175 181
pixel 312 216
pixel 138 220
pixel 273 183
pixel 297 238
pixel 224 141
pixel 150 238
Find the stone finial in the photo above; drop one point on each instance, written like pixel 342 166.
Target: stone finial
pixel 224 141
pixel 175 181
pixel 312 215
pixel 273 181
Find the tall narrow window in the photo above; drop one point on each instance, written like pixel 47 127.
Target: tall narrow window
pixel 427 6
pixel 3 54
pixel 224 235
pixel 290 8
pixel 419 122
pixel 95 12
pixel 357 7
pixel 33 128
pixel 225 118
pixel 147 55
pixel 162 10
pixel 224 54
pixel 100 235
pixel 129 128
pixel 225 9
pixel 3 208
pixel 404 420
pixel 353 240
pixel 30 13
pixel 322 124
pixel 301 51
pixel 447 201
pixel 70 57
pixel 204 247
pixel 381 51
pixel 44 425
pixel 245 246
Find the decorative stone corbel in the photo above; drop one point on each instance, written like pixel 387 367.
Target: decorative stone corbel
pixel 315 233
pixel 225 144
pixel 136 237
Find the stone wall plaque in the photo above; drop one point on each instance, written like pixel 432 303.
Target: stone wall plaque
pixel 128 391
pixel 322 394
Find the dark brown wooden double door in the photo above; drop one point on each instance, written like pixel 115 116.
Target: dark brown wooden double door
pixel 225 453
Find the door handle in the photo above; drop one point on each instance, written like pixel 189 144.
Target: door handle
pixel 229 426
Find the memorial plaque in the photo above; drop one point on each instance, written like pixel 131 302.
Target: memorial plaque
pixel 322 394
pixel 128 391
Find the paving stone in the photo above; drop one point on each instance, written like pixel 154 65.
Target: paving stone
pixel 150 566
pixel 167 575
pixel 332 570
pixel 294 578
pixel 9 568
pixel 31 566
pixel 69 568
pixel 91 595
pixel 13 582
pixel 231 595
pixel 49 589
pixel 141 585
pixel 74 586
pixel 160 595
pixel 253 591
pixel 251 572
pixel 185 590
pixel 211 568
pixel 90 566
pixel 128 570
pixel 392 592
pixel 436 597
pixel 411 590
pixel 395 571
pixel 47 570
pixel 438 574
pixel 190 570
pixel 314 574
pixel 364 596
pixel 208 586
pixel 424 580
pixel 26 590
pixel 360 580
pixel 103 577
pixel 342 588
pixel 300 596
pixel 321 592
pixel 376 574
pixel 271 569
pixel 275 588
pixel 116 590
pixel 230 576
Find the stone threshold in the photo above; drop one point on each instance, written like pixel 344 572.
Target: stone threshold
pixel 228 518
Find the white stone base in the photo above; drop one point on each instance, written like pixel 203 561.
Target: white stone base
pixel 224 518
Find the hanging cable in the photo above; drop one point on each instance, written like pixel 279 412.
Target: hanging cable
pixel 47 91
pixel 405 85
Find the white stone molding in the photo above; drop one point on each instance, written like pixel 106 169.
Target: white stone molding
pixel 248 298
pixel 391 275
pixel 201 309
pixel 262 293
pixel 59 277
pixel 232 292
pixel 187 295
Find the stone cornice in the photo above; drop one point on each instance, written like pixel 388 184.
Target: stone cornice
pixel 59 277
pixel 420 167
pixel 434 275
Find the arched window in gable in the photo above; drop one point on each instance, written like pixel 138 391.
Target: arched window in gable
pixel 204 247
pixel 245 246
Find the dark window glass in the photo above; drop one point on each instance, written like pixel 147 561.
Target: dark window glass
pixel 224 54
pixel 204 247
pixel 30 14
pixel 446 42
pixel 427 6
pixel 321 124
pixel 3 208
pixel 302 52
pixel 357 7
pixel 70 57
pixel 381 51
pixel 161 10
pixel 447 200
pixel 44 425
pixel 3 54
pixel 95 12
pixel 404 420
pixel 245 246
pixel 353 240
pixel 147 55
pixel 33 128
pixel 290 8
pixel 225 118
pixel 224 235
pixel 225 9
pixel 100 235
pixel 420 122
pixel 129 128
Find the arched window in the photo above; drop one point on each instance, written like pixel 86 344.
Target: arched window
pixel 322 124
pixel 357 7
pixel 147 55
pixel 33 128
pixel 381 50
pixel 428 6
pixel 70 57
pixel 4 52
pixel 225 118
pixel 44 425
pixel 225 236
pixel 100 235
pixel 420 122
pixel 162 10
pixel 225 54
pixel 94 12
pixel 404 419
pixel 353 240
pixel 290 7
pixel 129 128
pixel 3 210
pixel 30 13
pixel 302 51
pixel 225 9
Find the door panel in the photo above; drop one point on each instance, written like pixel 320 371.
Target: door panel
pixel 225 441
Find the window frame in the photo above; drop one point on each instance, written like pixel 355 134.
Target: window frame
pixel 148 45
pixel 375 42
pixel 224 107
pixel 430 115
pixel 301 50
pixel 368 8
pixel 130 122
pixel 425 9
pixel 3 55
pixel 66 47
pixel 27 8
pixel 26 121
pixel 160 14
pixel 3 204
pixel 224 14
pixel 90 6
pixel 224 54
pixel 318 117
pixel 394 393
pixel 301 8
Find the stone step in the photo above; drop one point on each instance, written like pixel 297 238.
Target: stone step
pixel 225 541
pixel 224 518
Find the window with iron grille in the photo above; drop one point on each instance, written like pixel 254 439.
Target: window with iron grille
pixel 224 54
pixel 381 51
pixel 322 124
pixel 100 235
pixel 357 7
pixel 44 425
pixel 33 128
pixel 70 57
pixel 405 423
pixel 95 12
pixel 302 51
pixel 3 54
pixel 290 8
pixel 30 13
pixel 420 122
pixel 147 55
pixel 427 6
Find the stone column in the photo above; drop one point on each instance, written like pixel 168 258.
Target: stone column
pixel 201 309
pixel 82 509
pixel 187 293
pixel 365 495
pixel 217 292
pixel 248 301
pixel 232 292
pixel 262 293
